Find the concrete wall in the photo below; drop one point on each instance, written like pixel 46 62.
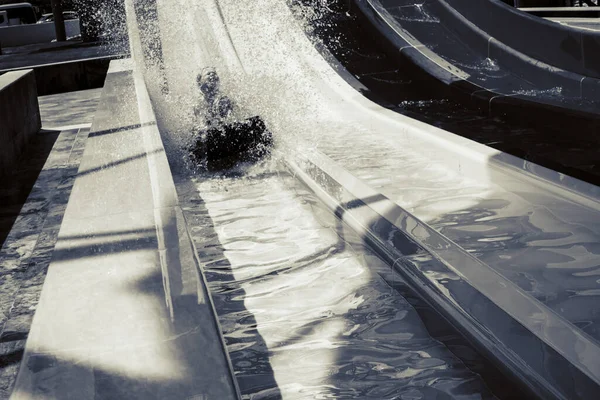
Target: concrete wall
pixel 21 35
pixel 69 77
pixel 19 116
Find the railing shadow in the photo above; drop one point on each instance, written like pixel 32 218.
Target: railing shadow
pixel 228 296
pixel 17 186
pixel 183 317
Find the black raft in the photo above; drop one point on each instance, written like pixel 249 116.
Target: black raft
pixel 226 142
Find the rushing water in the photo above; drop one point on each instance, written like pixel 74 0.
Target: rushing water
pixel 304 306
pixel 306 309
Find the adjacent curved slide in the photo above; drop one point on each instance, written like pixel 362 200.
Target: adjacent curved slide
pixel 495 53
pixel 507 250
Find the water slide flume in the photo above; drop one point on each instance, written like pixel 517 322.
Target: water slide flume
pixel 539 347
pixel 495 54
pixel 510 326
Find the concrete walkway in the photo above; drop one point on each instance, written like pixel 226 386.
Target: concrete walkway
pixel 33 200
pixel 124 312
pixel 68 109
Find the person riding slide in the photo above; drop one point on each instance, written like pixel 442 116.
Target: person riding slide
pixel 226 141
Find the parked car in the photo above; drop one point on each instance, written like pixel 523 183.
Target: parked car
pixel 67 15
pixel 17 14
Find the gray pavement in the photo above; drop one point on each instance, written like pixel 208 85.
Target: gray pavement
pixel 58 113
pixel 32 204
pixel 68 109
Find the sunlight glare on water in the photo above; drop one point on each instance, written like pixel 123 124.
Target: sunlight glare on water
pixel 304 310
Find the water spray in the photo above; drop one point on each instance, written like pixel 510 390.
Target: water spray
pixel 225 141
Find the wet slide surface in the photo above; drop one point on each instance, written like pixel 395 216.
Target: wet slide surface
pixel 306 309
pixel 547 253
pixel 532 237
pixel 267 64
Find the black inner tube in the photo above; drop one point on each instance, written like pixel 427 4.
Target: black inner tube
pixel 226 142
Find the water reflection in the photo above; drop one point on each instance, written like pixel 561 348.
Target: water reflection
pixel 548 246
pixel 331 327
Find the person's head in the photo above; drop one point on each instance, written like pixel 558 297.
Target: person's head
pixel 208 82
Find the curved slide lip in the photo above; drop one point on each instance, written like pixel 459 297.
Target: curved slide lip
pixel 164 192
pixel 562 12
pixel 528 81
pixel 526 338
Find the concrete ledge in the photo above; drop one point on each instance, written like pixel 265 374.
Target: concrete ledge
pixel 19 115
pixel 124 312
pixel 70 76
pixel 551 357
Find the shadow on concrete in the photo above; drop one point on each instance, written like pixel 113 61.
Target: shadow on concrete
pixel 187 330
pixel 116 163
pixel 144 232
pixel 14 357
pixel 107 247
pixel 15 188
pixel 121 129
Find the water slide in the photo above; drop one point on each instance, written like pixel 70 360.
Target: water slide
pixel 505 250
pixel 581 17
pixel 500 56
